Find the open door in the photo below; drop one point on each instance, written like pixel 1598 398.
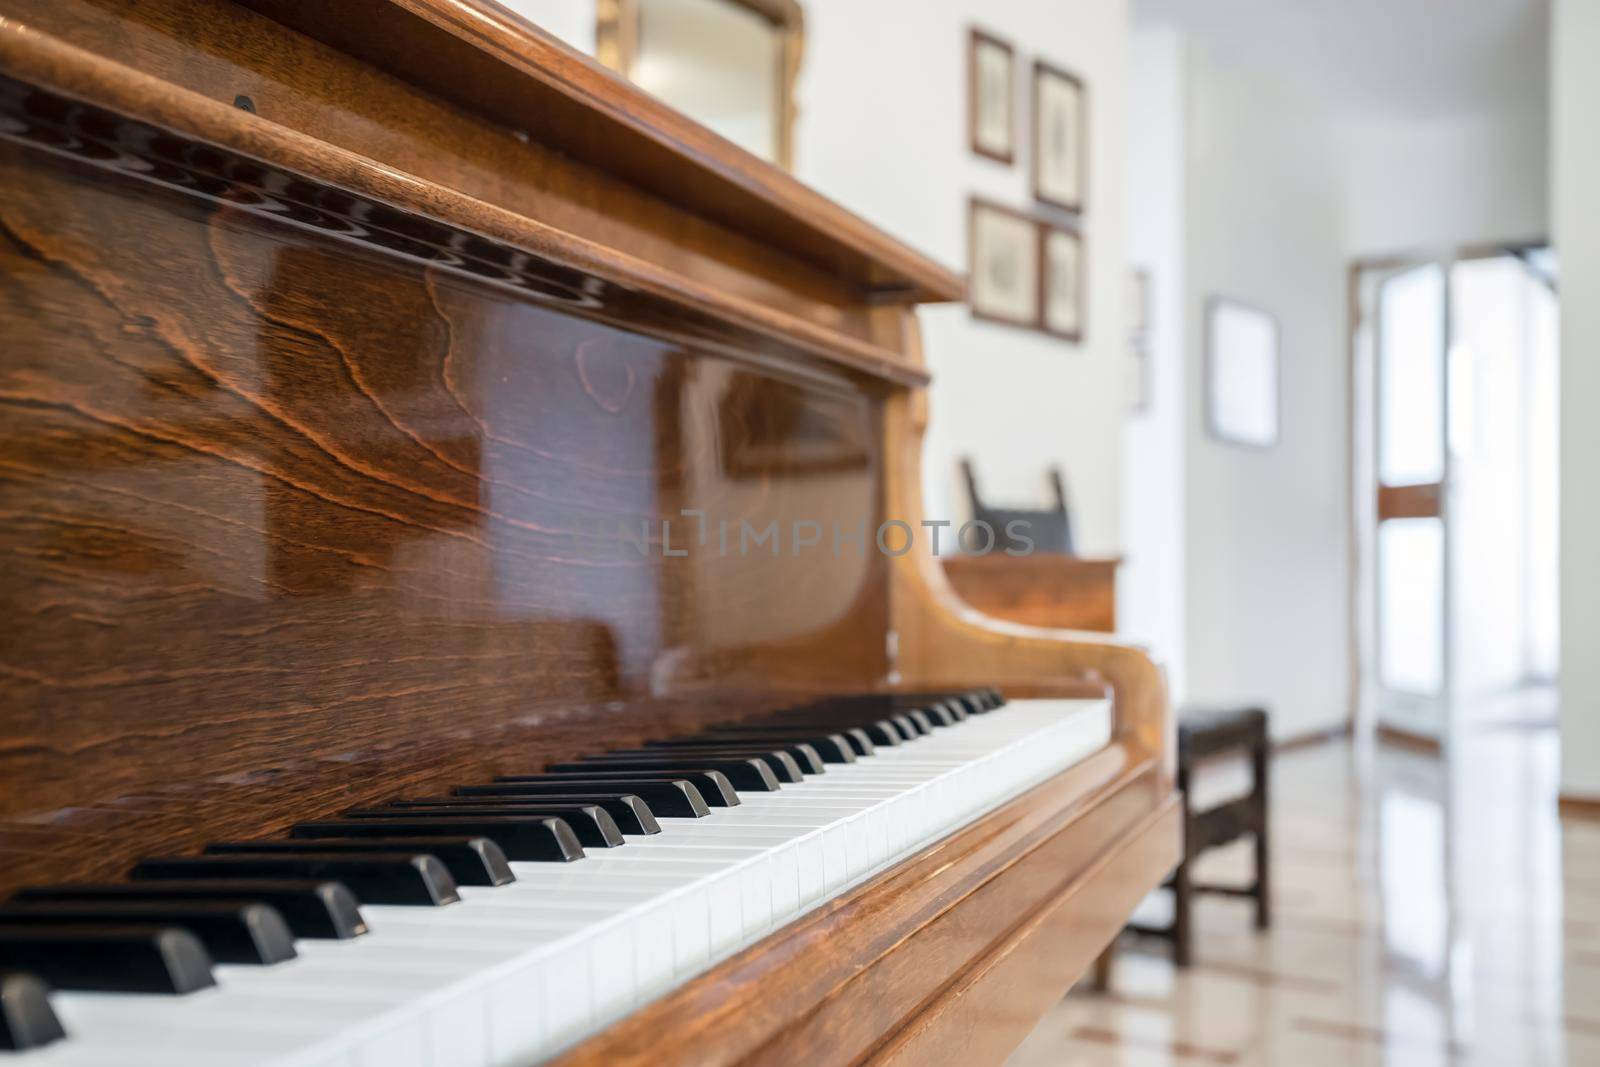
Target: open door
pixel 1412 541
pixel 1456 507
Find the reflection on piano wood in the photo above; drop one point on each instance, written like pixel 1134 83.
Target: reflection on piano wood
pixel 373 444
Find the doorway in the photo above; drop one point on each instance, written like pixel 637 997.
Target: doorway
pixel 1455 489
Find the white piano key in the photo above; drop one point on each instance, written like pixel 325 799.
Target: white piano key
pixel 513 974
pixel 691 934
pixel 755 896
pixel 568 991
pixel 516 1015
pixel 399 1046
pixel 457 1032
pixel 727 915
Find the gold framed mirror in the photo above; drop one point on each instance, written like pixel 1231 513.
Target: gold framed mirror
pixel 729 64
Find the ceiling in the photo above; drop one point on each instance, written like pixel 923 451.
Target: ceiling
pixel 1380 58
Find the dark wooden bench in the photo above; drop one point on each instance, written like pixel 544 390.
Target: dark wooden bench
pixel 1203 734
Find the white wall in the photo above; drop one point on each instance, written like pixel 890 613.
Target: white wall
pixel 1425 185
pixel 1151 585
pixel 1575 175
pixel 883 130
pixel 1267 553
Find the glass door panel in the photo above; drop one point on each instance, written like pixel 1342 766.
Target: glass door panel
pixel 1411 605
pixel 1412 380
pixel 1411 371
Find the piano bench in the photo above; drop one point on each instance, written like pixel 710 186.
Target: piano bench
pixel 1202 735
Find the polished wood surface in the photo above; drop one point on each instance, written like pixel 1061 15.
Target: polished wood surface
pixel 850 339
pixel 282 498
pixel 357 438
pixel 1042 589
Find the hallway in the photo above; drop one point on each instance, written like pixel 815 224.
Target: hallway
pixel 1376 956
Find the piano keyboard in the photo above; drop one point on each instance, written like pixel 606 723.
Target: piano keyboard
pixel 553 905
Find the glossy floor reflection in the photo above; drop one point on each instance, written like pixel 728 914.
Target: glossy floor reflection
pixel 1422 917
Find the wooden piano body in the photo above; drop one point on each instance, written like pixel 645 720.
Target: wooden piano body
pixel 367 372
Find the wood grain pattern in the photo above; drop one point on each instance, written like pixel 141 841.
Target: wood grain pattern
pixel 1044 589
pixel 988 1009
pixel 78 75
pixel 311 507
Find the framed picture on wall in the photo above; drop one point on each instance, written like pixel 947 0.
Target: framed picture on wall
pixel 1060 137
pixel 1241 373
pixel 1003 270
pixel 991 96
pixel 1061 288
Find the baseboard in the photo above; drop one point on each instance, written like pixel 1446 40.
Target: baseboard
pixel 1340 732
pixel 1574 807
pixel 1412 742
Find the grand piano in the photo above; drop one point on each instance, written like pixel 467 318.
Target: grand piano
pixel 462 593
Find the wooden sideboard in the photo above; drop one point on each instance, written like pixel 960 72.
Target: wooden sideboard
pixel 1044 589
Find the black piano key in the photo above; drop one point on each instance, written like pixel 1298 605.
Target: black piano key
pixel 744 773
pixel 918 719
pixel 232 931
pixel 413 878
pixel 108 959
pixel 26 1018
pixel 314 909
pixel 631 814
pixel 831 747
pixel 961 703
pixel 547 840
pixel 668 798
pixel 807 760
pixel 941 714
pixel 471 860
pixel 713 786
pixel 969 703
pixel 859 741
pixel 593 824
pixel 876 730
pixel 784 767
pixel 877 716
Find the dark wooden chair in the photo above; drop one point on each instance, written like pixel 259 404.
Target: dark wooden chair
pixel 1050 531
pixel 1203 734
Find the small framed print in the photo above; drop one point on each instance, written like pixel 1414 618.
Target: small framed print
pixel 1060 137
pixel 1241 373
pixel 1061 282
pixel 1003 251
pixel 991 96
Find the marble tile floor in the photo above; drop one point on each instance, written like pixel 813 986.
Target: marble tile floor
pixel 1424 916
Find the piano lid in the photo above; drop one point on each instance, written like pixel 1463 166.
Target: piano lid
pixel 482 56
